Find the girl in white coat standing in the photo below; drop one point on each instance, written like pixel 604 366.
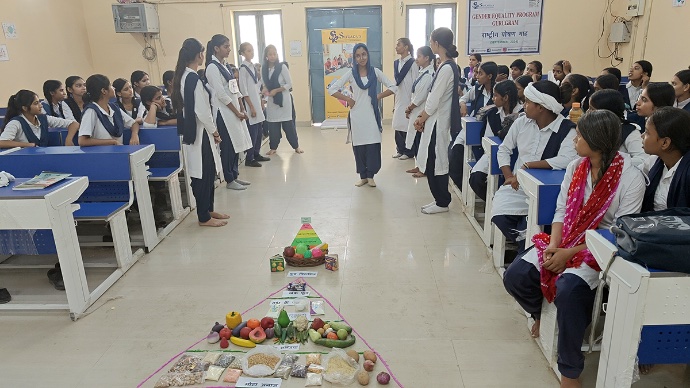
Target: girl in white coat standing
pixel 277 86
pixel 440 117
pixel 364 119
pixel 227 110
pixel 195 121
pixel 426 60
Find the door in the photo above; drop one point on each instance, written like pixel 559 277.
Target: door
pixel 319 19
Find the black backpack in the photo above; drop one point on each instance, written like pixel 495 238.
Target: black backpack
pixel 658 240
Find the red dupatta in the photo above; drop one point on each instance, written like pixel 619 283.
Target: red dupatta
pixel 580 217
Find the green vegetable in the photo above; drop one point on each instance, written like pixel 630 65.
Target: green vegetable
pixel 283 318
pixel 332 343
pixel 340 325
pixel 277 330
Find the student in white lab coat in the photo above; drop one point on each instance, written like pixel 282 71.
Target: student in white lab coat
pixel 250 87
pixel 406 72
pixel 364 120
pixel 229 114
pixel 543 139
pixel 26 126
pixel 199 135
pixel 103 122
pixel 54 104
pixel 277 85
pixel 426 60
pixel 440 117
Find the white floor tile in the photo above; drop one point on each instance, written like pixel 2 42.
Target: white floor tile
pixel 419 288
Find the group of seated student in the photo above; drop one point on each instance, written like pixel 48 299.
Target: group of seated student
pixel 86 108
pixel 629 152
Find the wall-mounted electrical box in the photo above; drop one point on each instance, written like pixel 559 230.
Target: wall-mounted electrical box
pixel 620 32
pixel 635 8
pixel 137 17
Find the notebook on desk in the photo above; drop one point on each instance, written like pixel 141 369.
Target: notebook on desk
pixel 41 181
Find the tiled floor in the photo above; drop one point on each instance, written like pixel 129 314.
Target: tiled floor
pixel 419 288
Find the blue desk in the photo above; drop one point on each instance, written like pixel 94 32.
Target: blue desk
pixel 646 315
pixel 85 161
pixel 165 166
pixel 542 187
pixel 471 135
pixel 52 209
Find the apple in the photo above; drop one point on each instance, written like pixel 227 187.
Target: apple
pixel 267 323
pixel 244 333
pixel 289 251
pixel 317 323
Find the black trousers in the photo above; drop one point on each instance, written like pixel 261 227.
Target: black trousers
pixel 456 163
pixel 478 184
pixel 255 135
pixel 574 302
pixel 228 156
pixel 203 189
pixel 438 184
pixel 367 159
pixel 400 144
pixel 415 144
pixel 513 227
pixel 275 135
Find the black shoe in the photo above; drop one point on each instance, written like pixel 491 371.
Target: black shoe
pixel 253 163
pixel 55 278
pixel 5 296
pixel 262 158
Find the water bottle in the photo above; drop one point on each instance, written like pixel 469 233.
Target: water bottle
pixel 575 113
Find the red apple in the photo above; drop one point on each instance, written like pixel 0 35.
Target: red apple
pixel 317 323
pixel 244 333
pixel 267 323
pixel 289 251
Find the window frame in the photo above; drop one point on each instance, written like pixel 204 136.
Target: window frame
pixel 430 8
pixel 260 33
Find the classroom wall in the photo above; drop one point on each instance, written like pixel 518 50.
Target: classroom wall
pixel 659 37
pixel 570 31
pixel 44 30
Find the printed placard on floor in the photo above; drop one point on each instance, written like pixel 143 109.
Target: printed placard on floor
pixel 302 274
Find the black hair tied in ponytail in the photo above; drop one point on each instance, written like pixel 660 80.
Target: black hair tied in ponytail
pixel 216 41
pixel 23 99
pixel 444 37
pixel 94 86
pixel 189 51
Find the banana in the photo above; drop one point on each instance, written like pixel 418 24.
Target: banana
pixel 242 342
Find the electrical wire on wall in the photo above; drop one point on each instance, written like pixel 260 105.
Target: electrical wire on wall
pixel 613 54
pixel 149 52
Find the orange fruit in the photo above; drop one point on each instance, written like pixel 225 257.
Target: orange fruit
pixel 253 323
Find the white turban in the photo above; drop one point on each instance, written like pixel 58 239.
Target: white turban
pixel 543 99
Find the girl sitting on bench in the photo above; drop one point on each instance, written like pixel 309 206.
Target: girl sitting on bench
pixel 598 187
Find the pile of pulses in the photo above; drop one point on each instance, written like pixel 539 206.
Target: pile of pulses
pixel 263 359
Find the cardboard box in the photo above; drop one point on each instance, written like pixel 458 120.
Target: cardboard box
pixel 277 263
pixel 331 263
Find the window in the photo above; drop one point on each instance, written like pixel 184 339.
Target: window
pixel 423 19
pixel 260 28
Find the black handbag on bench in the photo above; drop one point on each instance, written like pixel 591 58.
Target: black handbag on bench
pixel 658 240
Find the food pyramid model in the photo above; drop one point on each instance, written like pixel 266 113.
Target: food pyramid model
pixel 306 235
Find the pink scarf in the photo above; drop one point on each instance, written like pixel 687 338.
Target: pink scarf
pixel 580 217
